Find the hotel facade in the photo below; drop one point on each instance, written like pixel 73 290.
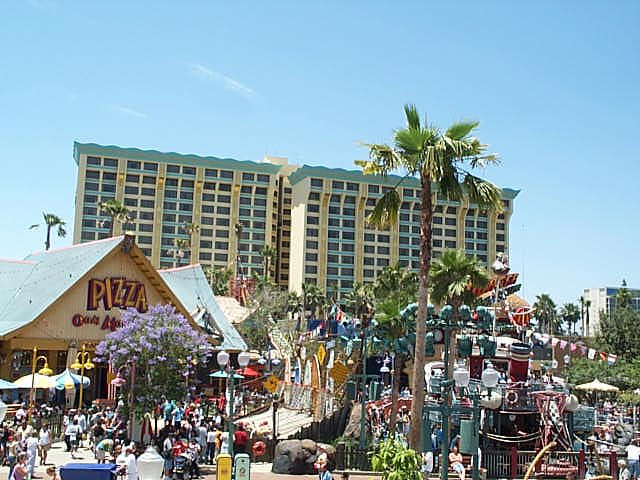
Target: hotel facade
pixel 315 217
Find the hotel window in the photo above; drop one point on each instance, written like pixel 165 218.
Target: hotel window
pixel 350 199
pixel 333 246
pixel 224 198
pixel 257 224
pixel 151 167
pixel 368 273
pixel 334 210
pixel 346 284
pixel 224 187
pixel 349 212
pixel 373 189
pixel 336 185
pixel 89 211
pixel 226 174
pixel 173 169
pixel 168 229
pixel 330 271
pixel 348 259
pixel 371 202
pixel 334 222
pixel 208 197
pixel 383 238
pixel 313 208
pixel 149 180
pixel 88 223
pixel 91 186
pixel 415 253
pixel 133 165
pixel 383 250
pixel 222 245
pixel 314 196
pixel 88 236
pixel 108 177
pixel 189 170
pixel 311 269
pixel 248 177
pixel 469 245
pixel 369 237
pixel 348 223
pixel 481 246
pixel 186 207
pixel 451 210
pixel 145 227
pixel 449 233
pixel 347 247
pixel 205 256
pixel 149 192
pixel 131 202
pixel 407 192
pixel 482 235
pixel 312 245
pixel 93 175
pixel 311 257
pixel 347 271
pixel 313 220
pixel 132 178
pixel 144 239
pixel 403 252
pixel 500 226
pixel 111 162
pixel 205 244
pixel 382 262
pixel 207 209
pixel 468 234
pixel 171 194
pixel 450 244
pixel 416 218
pixel 188 196
pixel 207 220
pixel 222 233
pixel 223 210
pixel 148 203
pixel 499 248
pixel 128 190
pixel 169 217
pixel 404 217
pixel 438 209
pixel 93 161
pixel 262 178
pixel 450 221
pixel 404 240
pixel 333 234
pixel 368 260
pixel 220 257
pixel 210 173
pixel 347 235
pixel 353 187
pixel 186 183
pixel 469 223
pixel 500 237
pixel 206 232
pixel 369 249
pixel 312 232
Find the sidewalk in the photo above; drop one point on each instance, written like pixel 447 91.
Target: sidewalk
pixel 259 471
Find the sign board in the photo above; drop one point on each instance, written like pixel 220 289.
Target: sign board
pixel 322 354
pixel 339 372
pixel 271 384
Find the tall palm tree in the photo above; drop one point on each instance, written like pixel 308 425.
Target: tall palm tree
pixel 312 297
pixel 546 313
pixel 452 273
pixel 218 278
pixel 585 305
pixel 570 314
pixel 181 245
pixel 393 329
pixel 51 220
pixel 117 212
pixel 443 163
pixel 395 281
pixel 268 254
pixel 360 294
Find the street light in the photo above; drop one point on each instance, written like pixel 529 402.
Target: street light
pixel 82 362
pixel 43 371
pixel 223 361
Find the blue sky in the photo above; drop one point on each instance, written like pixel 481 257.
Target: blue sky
pixel 554 84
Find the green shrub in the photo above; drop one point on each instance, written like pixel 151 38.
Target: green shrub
pixel 396 462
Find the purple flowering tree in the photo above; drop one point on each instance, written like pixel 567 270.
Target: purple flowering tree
pixel 164 348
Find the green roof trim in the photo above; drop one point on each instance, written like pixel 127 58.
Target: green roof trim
pixel 171 157
pixel 341 174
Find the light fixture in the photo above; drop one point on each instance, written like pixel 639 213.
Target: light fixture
pixel 490 376
pixel 222 358
pixel 45 370
pixel 118 381
pixel 384 369
pixel 243 359
pixel 461 376
pixel 150 464
pixel 76 365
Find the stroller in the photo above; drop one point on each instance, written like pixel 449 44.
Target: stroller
pixel 181 466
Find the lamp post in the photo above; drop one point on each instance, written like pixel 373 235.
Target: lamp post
pixel 45 370
pixel 489 379
pixel 223 362
pixel 82 362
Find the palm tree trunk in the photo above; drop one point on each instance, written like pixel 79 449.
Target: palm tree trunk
pixel 113 225
pixel 47 242
pixel 417 380
pixel 398 365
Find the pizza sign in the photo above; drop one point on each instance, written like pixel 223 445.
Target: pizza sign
pixel 116 292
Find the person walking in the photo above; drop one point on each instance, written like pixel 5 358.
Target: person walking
pixel 240 440
pixel 44 443
pixel 20 471
pixel 32 452
pixel 211 444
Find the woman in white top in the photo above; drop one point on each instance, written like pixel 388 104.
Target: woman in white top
pixel 224 445
pixel 44 443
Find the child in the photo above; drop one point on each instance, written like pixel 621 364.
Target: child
pixel 51 473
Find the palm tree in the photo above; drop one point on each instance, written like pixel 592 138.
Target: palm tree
pixel 570 314
pixel 395 281
pixel 585 305
pixel 218 278
pixel 452 273
pixel 546 313
pixel 268 254
pixel 624 296
pixel 117 212
pixel 443 162
pixel 360 294
pixel 181 246
pixel 294 302
pixel 393 330
pixel 51 220
pixel 312 297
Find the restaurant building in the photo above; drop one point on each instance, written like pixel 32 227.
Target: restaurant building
pixel 62 299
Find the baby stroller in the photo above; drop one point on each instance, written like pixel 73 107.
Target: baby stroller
pixel 182 466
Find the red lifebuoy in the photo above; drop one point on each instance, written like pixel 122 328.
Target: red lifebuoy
pixel 511 398
pixel 259 448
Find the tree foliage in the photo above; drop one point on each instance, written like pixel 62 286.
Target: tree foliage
pixel 218 278
pixel 443 160
pixel 396 461
pixel 618 332
pixel 164 348
pixel 452 273
pixel 623 374
pixel 51 221
pixel 570 315
pixel 116 211
pixel 546 314
pixel 397 283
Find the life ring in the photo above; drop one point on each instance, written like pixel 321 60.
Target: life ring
pixel 259 448
pixel 511 398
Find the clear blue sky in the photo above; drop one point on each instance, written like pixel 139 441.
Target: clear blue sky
pixel 554 84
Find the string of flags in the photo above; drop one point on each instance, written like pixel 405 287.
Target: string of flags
pixel 581 350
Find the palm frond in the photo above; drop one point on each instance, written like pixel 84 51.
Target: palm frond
pixel 383 160
pixel 61 230
pixel 413 117
pixel 460 130
pixel 449 184
pixel 35 225
pixel 483 192
pixel 385 213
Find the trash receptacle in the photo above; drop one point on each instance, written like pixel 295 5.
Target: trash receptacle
pixel 468 438
pixel 242 466
pixel 224 466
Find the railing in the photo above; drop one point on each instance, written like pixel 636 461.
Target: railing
pixel 514 463
pixel 352 458
pixel 325 430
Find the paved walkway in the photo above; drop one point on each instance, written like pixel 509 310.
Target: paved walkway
pixel 259 471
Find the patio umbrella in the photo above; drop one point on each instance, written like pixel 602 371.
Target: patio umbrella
pixel 220 374
pixel 4 385
pixel 39 381
pixel 68 379
pixel 597 386
pixel 248 372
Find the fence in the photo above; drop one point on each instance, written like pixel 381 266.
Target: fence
pixel 514 463
pixel 350 457
pixel 325 430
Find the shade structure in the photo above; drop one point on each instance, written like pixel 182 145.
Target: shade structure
pixel 4 385
pixel 39 381
pixel 597 386
pixel 248 372
pixel 220 374
pixel 68 379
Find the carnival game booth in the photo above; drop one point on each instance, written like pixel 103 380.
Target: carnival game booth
pixel 63 302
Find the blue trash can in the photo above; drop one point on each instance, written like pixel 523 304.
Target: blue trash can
pixel 88 471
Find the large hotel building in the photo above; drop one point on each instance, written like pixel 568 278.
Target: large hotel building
pixel 315 217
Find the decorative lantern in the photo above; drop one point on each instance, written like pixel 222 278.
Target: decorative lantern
pixel 150 465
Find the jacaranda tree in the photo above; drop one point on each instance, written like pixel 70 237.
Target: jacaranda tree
pixel 162 347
